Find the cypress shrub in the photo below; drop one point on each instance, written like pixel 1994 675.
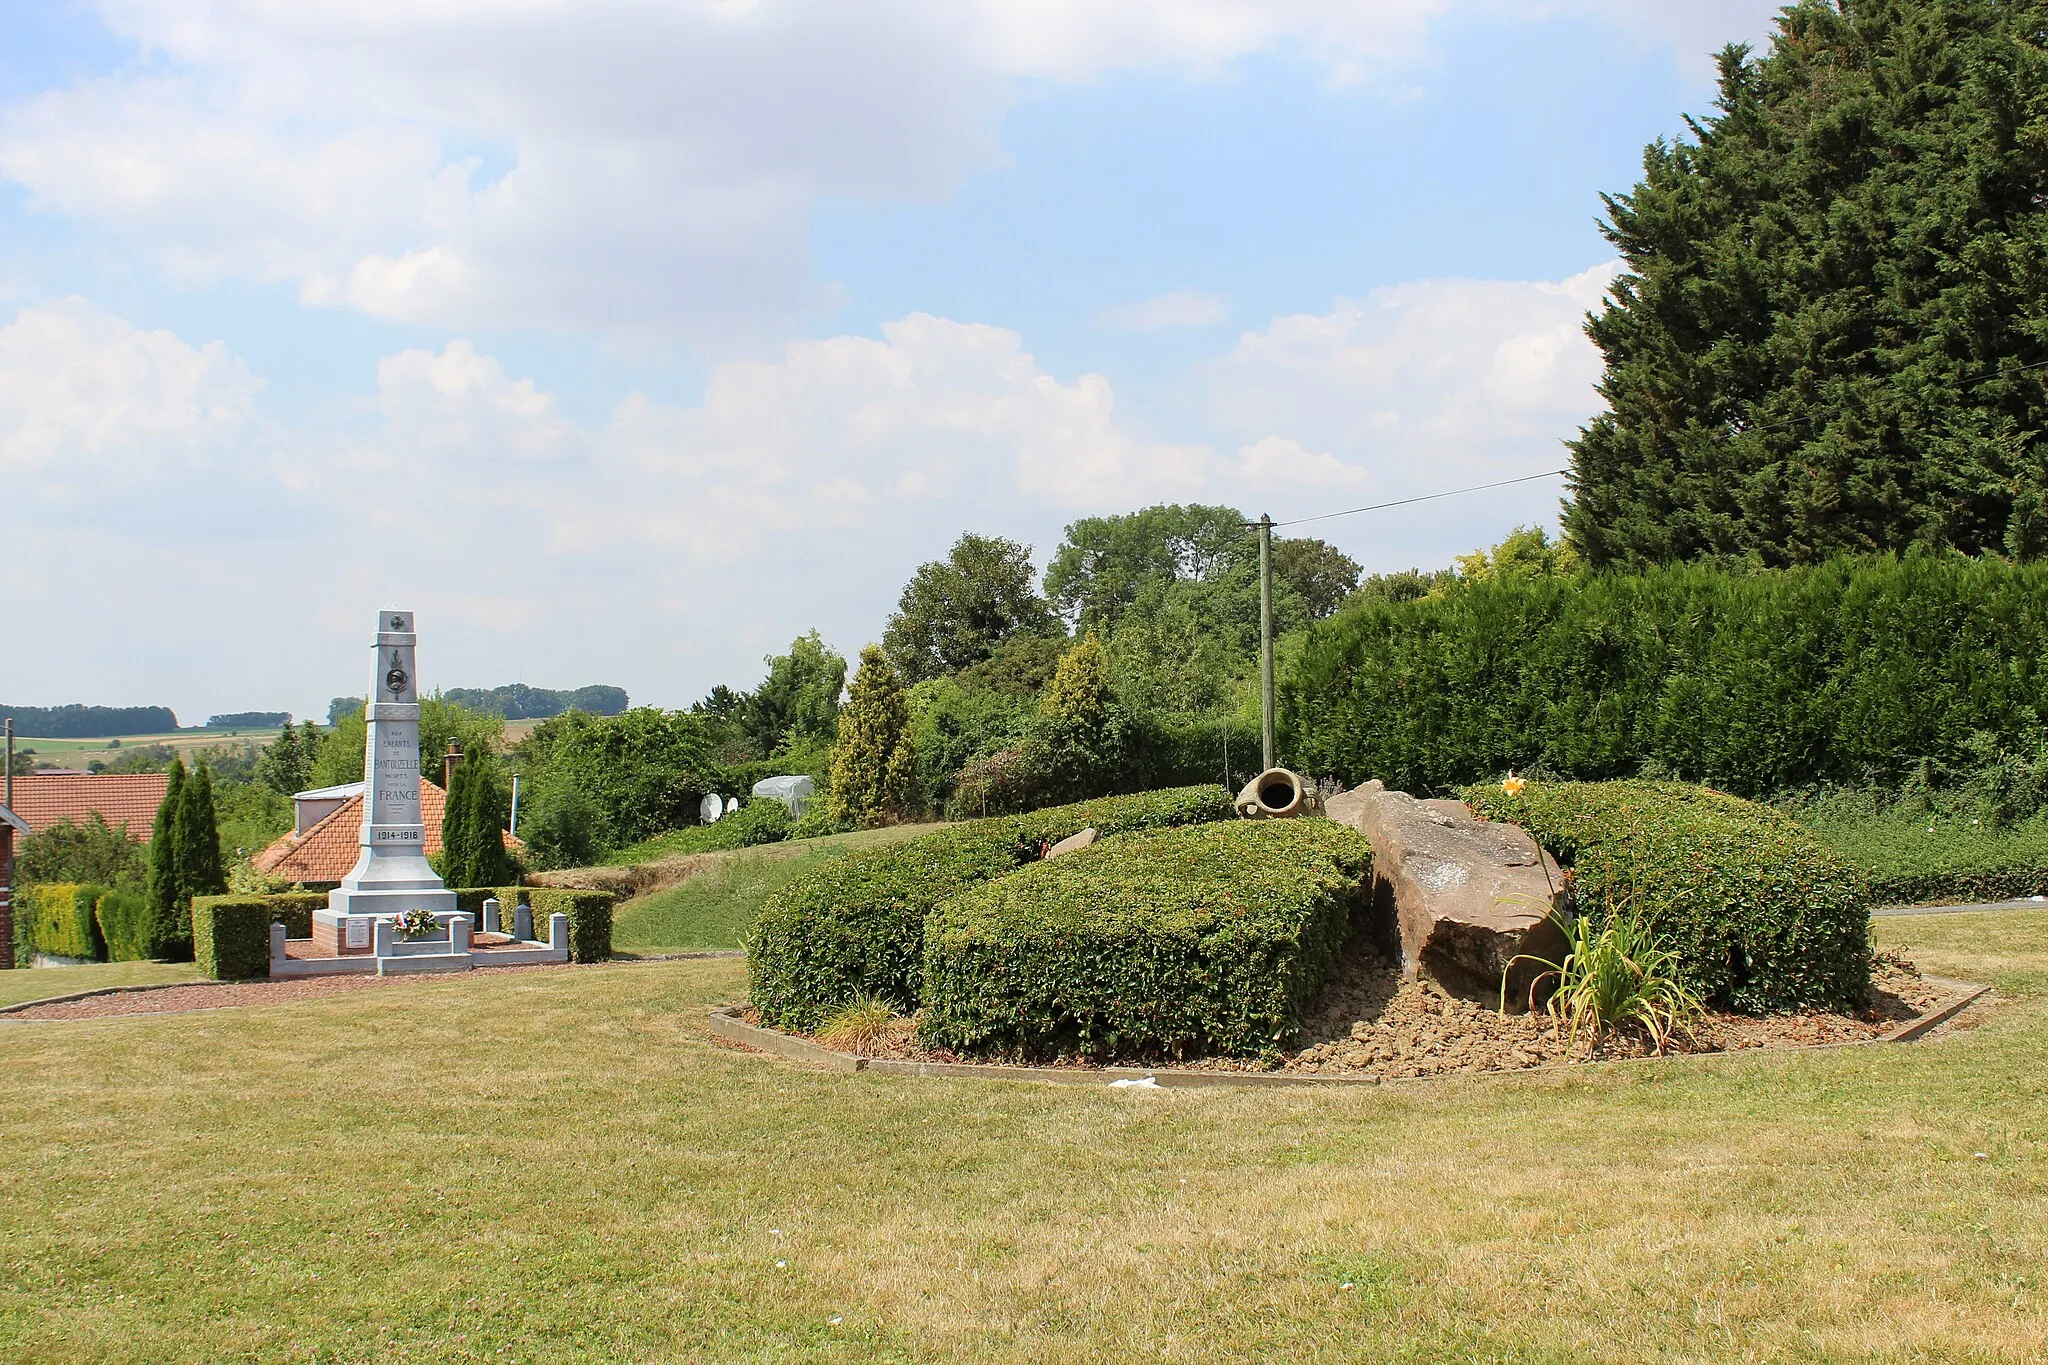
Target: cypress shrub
pixel 855 928
pixel 1764 917
pixel 457 862
pixel 489 807
pixel 873 765
pixel 231 936
pixel 198 836
pixel 1208 939
pixel 1849 671
pixel 170 914
pixel 55 919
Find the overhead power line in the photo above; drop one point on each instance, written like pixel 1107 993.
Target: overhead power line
pixel 1426 497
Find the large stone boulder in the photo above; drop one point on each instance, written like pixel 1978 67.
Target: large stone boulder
pixel 1458 897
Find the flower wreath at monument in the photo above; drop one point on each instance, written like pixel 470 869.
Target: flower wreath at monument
pixel 416 923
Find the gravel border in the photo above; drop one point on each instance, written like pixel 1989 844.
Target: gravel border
pixel 725 1025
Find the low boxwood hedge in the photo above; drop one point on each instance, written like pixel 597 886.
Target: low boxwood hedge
pixel 855 928
pixel 1764 916
pixel 1209 940
pixel 231 936
pixel 55 919
pixel 589 912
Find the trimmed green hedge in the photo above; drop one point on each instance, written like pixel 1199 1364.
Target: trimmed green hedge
pixel 589 912
pixel 1764 917
pixel 1758 683
pixel 1205 940
pixel 855 928
pixel 127 926
pixel 231 936
pixel 56 919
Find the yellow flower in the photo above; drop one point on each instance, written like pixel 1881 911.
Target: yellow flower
pixel 1513 785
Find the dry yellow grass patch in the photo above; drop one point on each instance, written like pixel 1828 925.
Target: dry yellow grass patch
pixel 559 1167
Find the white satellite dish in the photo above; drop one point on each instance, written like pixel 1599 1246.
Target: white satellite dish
pixel 732 803
pixel 710 808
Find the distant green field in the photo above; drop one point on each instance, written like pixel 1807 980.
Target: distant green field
pixel 76 753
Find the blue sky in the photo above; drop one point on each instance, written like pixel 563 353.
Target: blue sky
pixel 626 340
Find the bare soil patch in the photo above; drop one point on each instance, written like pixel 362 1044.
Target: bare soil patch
pixel 1370 1023
pixel 228 994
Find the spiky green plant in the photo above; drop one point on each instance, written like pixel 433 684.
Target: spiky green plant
pixel 1614 974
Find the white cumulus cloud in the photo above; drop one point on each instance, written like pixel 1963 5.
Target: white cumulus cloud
pixel 615 165
pixel 85 396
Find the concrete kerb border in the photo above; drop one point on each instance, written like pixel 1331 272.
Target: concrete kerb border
pixel 723 1022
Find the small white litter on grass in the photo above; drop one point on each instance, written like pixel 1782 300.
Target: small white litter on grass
pixel 1147 1083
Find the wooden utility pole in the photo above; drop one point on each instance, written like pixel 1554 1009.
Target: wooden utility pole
pixel 1266 636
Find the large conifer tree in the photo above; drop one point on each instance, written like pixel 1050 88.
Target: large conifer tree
pixel 169 919
pixel 873 764
pixel 1836 288
pixel 198 835
pixel 490 864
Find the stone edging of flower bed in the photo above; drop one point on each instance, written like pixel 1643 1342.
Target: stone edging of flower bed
pixel 724 1023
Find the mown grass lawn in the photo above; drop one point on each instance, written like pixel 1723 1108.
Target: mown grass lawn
pixel 40 983
pixel 557 1166
pixel 715 906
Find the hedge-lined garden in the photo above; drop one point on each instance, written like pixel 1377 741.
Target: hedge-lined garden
pixel 231 934
pixel 1205 939
pixel 1852 671
pixel 83 922
pixel 855 930
pixel 1762 915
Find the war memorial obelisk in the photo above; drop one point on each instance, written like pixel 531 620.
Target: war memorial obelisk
pixel 391 874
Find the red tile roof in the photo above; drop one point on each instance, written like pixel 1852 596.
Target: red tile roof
pixel 42 799
pixel 328 851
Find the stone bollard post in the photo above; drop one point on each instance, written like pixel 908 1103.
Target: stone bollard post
pixel 277 936
pixel 522 922
pixel 558 932
pixel 380 937
pixel 458 934
pixel 491 915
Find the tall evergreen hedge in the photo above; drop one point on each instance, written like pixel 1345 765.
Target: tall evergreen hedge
pixel 1847 671
pixel 1836 304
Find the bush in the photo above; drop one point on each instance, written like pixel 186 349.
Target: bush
pixel 1847 672
pixel 86 852
pixel 1762 915
pixel 55 919
pixel 231 936
pixel 1195 941
pixel 125 926
pixel 589 912
pixel 855 929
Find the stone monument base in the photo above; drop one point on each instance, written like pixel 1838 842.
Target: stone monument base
pixel 351 928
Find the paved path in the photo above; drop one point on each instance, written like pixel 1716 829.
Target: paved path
pixel 2031 903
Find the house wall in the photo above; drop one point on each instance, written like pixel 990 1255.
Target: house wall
pixel 6 897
